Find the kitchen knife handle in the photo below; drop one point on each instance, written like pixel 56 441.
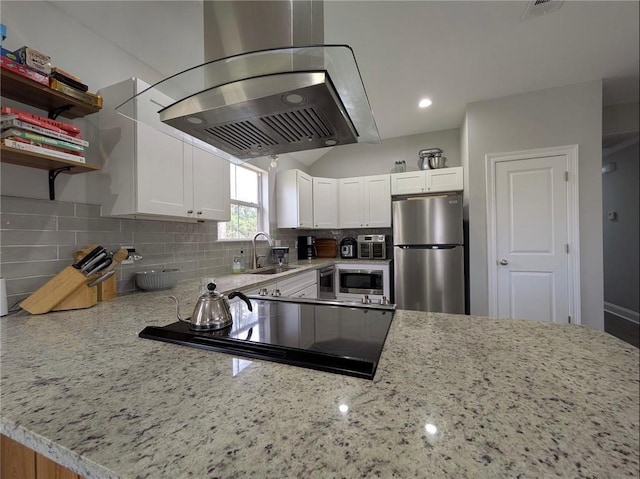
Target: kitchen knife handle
pixel 88 257
pixel 96 260
pixel 99 267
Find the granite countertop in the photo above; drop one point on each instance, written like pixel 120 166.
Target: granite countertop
pixel 453 396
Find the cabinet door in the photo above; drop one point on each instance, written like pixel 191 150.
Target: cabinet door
pixel 211 193
pixel 310 292
pixel 445 179
pixel 164 174
pixel 325 203
pixel 47 469
pixel 305 199
pixel 377 195
pixel 351 194
pixel 18 461
pixel 270 287
pixel 408 183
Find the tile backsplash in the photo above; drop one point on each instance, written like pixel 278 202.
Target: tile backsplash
pixel 38 239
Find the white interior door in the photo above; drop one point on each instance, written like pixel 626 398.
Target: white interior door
pixel 531 233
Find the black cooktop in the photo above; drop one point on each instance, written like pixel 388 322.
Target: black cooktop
pixel 327 336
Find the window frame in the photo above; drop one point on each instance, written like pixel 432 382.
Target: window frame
pixel 262 207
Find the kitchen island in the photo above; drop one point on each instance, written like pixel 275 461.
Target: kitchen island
pixel 453 396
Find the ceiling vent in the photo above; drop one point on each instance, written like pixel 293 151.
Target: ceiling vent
pixel 535 8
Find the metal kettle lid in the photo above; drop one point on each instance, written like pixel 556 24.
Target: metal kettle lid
pixel 211 292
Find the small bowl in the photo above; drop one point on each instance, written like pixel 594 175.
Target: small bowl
pixel 436 162
pixel 156 279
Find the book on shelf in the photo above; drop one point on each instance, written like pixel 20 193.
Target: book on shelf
pixel 41 121
pixel 10 121
pixel 42 150
pixel 13 133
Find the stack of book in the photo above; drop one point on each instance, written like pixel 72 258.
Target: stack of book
pixel 37 134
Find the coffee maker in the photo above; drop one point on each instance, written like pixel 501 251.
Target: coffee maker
pixel 307 247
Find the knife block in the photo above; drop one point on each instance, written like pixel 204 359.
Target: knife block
pixel 108 289
pixel 55 291
pixel 83 297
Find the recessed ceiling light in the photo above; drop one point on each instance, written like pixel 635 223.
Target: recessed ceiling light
pixel 425 102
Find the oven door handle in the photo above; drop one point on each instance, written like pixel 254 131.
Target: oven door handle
pixel 363 271
pixel 326 272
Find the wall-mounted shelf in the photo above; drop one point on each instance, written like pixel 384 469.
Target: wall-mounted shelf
pixel 35 94
pixel 40 96
pixel 55 166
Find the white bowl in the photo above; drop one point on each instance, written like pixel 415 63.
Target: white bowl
pixel 156 279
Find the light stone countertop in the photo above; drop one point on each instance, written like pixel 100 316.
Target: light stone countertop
pixel 453 396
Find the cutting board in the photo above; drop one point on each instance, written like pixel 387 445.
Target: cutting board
pixel 327 247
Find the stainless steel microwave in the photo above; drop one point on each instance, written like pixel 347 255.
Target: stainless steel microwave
pixel 361 281
pixel 372 247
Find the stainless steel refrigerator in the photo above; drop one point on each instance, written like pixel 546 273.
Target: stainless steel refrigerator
pixel 428 253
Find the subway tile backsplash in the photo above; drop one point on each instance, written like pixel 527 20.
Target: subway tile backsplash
pixel 38 239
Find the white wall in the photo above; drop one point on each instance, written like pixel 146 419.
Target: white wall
pixel 364 159
pixel 553 117
pixel 96 60
pixel 620 118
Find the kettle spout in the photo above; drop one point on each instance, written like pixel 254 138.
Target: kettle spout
pixel 178 310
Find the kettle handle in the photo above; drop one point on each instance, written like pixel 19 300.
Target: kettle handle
pixel 178 311
pixel 243 297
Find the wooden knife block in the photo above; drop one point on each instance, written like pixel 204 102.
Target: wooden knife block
pixel 85 296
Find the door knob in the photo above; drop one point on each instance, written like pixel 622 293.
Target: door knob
pixel 504 262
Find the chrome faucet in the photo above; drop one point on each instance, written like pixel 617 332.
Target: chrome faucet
pixel 256 257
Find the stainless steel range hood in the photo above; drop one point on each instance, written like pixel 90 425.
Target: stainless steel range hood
pixel 268 86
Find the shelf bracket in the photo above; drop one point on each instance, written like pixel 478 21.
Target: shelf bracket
pixel 55 112
pixel 52 179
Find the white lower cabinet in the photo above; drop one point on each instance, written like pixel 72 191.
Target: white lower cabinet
pixel 365 202
pixel 150 173
pixel 427 181
pixel 303 285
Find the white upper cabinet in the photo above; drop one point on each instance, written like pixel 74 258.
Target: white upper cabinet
pixel 211 187
pixel 377 197
pixel 351 193
pixel 294 198
pixel 325 203
pixel 427 181
pixel 150 173
pixel 365 202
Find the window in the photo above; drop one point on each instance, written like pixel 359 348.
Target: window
pixel 247 204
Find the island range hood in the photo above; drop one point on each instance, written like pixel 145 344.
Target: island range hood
pixel 268 85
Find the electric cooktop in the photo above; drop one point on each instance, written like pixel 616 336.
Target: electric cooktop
pixel 343 338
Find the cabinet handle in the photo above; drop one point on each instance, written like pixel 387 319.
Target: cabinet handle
pixel 199 212
pixel 190 212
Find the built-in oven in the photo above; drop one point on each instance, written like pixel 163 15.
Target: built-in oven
pixel 327 282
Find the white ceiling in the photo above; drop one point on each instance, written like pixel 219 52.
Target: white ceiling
pixel 455 52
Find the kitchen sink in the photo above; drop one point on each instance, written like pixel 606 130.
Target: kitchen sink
pixel 270 270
